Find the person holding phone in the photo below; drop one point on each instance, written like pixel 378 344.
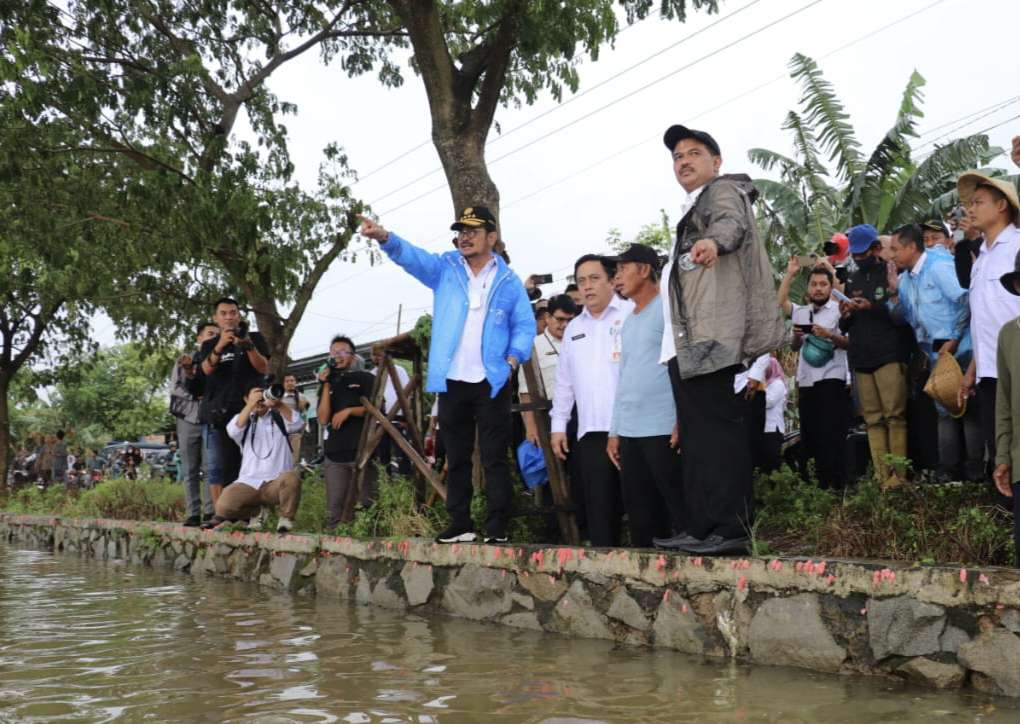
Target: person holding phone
pixel 822 399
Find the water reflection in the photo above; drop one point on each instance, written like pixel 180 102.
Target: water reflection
pixel 81 641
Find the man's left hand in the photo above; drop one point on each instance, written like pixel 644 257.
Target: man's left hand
pixel 340 418
pixel 705 252
pixel 752 388
pixel 949 347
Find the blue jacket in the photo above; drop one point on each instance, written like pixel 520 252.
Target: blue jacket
pixel 509 320
pixel 935 305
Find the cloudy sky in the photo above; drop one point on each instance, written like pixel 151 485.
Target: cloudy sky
pixel 596 161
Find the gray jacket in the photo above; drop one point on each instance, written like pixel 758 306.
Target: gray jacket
pixel 183 404
pixel 728 314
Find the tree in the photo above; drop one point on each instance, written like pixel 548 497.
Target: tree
pixel 161 85
pixel 474 56
pixel 887 188
pixel 659 236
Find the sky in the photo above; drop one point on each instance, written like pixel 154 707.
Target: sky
pixel 596 161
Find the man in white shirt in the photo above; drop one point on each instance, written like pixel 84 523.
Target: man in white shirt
pixel 587 374
pixel 994 209
pixel 560 311
pixel 297 402
pixel 821 383
pixel 267 477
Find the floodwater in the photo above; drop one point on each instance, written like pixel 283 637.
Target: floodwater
pixel 86 641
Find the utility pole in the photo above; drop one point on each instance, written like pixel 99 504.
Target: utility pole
pixel 400 311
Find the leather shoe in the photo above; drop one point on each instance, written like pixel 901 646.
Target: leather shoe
pixel 716 545
pixel 192 521
pixel 675 542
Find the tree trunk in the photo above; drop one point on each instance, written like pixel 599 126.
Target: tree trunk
pixel 5 428
pixel 462 153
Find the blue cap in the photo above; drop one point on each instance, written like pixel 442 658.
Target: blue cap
pixel 862 237
pixel 532 463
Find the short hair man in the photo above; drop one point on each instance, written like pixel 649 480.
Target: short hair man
pixel 821 373
pixel 642 435
pixel 937 237
pixel 229 365
pixel 295 400
pixel 342 416
pixel 928 297
pixel 993 207
pixel 482 329
pixel 587 374
pixel 185 400
pixel 574 293
pixel 878 352
pixel 721 312
pixel 267 476
pixel 1007 406
pixel 559 313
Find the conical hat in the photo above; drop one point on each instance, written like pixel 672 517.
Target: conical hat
pixel 943 385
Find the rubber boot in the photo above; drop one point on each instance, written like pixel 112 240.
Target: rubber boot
pixel 897 447
pixel 878 443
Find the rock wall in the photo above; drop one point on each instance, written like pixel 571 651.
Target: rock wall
pixel 936 626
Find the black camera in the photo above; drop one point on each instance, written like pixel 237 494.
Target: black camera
pixel 241 330
pixel 271 391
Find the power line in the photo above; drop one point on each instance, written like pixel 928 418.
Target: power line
pixel 618 100
pixel 952 131
pixel 576 96
pixel 427 141
pixel 997 106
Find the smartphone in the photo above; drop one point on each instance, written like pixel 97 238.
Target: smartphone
pixel 805 328
pixel 840 296
pixel 543 278
pixel 807 261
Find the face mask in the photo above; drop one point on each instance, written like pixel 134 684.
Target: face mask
pixel 868 264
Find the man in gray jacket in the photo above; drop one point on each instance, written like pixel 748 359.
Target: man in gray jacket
pixel 184 406
pixel 721 313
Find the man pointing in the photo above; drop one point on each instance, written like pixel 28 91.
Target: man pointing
pixel 482 329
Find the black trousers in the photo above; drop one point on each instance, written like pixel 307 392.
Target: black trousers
pixel 718 489
pixel 602 495
pixel 823 428
pixel 771 451
pixel 464 408
pixel 230 455
pixel 986 410
pixel 652 484
pixel 753 411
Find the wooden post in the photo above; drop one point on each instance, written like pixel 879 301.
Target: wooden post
pixel 412 454
pixel 540 406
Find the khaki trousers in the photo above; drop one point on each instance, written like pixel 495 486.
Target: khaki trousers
pixel 240 500
pixel 883 398
pixel 295 448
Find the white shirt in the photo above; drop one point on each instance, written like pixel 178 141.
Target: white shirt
pixel 668 350
pixel 755 372
pixel 390 394
pixel 467 365
pixel 775 406
pixel 991 306
pixel 589 369
pixel 826 317
pixel 265 453
pixel 919 264
pixel 547 354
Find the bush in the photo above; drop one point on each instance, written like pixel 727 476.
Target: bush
pixel 155 499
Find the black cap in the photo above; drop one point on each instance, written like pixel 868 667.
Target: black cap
pixel 936 225
pixel 675 134
pixel 638 253
pixel 475 216
pixel 1010 279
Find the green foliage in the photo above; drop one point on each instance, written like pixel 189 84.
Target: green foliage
pixel 659 236
pixel 397 513
pixel 117 498
pixel 887 188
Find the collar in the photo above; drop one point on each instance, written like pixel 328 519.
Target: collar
pixel 485 269
pixel 615 303
pixel 916 269
pixel 1003 236
pixel 829 304
pixel 692 198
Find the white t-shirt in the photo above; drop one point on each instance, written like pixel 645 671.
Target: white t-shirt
pixel 826 317
pixel 467 364
pixel 547 354
pixel 775 406
pixel 390 394
pixel 265 453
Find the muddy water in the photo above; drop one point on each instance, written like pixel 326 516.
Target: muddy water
pixel 82 640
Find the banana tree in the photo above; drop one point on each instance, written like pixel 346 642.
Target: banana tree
pixel 828 184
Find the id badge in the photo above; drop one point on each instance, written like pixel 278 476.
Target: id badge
pixel 614 353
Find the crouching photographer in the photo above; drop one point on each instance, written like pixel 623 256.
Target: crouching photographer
pixel 267 478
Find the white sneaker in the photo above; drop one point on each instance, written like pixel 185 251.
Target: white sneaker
pixel 258 522
pixel 284 525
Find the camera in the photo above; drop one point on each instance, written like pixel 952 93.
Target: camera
pixel 542 278
pixel 271 391
pixel 241 330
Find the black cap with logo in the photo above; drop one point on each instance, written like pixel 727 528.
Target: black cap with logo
pixel 638 253
pixel 473 217
pixel 675 134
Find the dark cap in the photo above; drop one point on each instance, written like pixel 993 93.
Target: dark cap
pixel 473 217
pixel 675 134
pixel 1010 279
pixel 936 225
pixel 638 253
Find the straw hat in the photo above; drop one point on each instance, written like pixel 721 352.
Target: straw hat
pixel 969 182
pixel 943 385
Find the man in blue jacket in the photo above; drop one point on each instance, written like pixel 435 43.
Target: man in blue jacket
pixel 482 330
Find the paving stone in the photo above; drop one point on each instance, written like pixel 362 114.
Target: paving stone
pixel 524 619
pixel 996 655
pixel 790 632
pixel 904 626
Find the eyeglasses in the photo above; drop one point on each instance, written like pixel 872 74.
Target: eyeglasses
pixel 561 320
pixel 341 353
pixel 470 232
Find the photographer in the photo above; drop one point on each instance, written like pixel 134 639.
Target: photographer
pixel 297 402
pixel 342 416
pixel 261 430
pixel 231 364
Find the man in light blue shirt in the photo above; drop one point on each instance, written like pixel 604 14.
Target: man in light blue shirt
pixel 642 435
pixel 482 330
pixel 928 297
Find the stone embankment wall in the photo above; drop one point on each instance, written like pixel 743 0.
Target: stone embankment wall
pixel 937 626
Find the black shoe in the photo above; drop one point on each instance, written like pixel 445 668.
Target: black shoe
pixel 675 542
pixel 192 521
pixel 457 534
pixel 496 539
pixel 715 545
pixel 213 522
